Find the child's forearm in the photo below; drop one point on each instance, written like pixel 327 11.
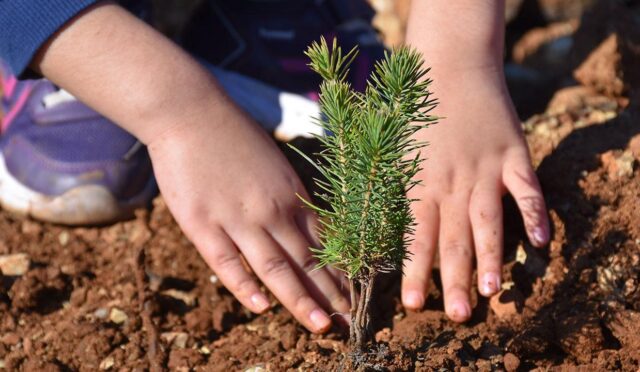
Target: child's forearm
pixel 458 35
pixel 130 73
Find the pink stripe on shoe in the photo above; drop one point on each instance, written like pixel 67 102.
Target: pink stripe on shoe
pixel 15 109
pixel 9 85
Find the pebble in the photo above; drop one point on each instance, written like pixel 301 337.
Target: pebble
pixel 31 227
pixel 205 350
pixel 188 298
pixel 383 335
pixel 101 313
pixel 107 363
pixel 63 238
pixel 328 344
pixel 618 166
pixel 118 316
pixel 16 264
pixel 177 339
pixel 213 279
pixel 10 338
pixel 511 362
pixel 257 368
pixel 504 303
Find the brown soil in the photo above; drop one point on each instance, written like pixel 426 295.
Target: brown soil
pixel 136 295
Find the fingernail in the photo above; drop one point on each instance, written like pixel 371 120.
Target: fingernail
pixel 413 300
pixel 540 236
pixel 490 284
pixel 461 311
pixel 260 302
pixel 320 320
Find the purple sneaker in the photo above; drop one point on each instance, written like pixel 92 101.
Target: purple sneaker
pixel 62 162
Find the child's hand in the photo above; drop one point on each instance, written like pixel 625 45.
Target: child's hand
pixel 227 184
pixel 476 154
pixel 233 193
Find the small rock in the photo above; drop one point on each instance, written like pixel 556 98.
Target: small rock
pixel 288 338
pixel 383 335
pixel 1 363
pixel 252 327
pixel 10 339
pixel 634 146
pixel 177 339
pixel 205 350
pixel 257 368
pixel 16 264
pixel 506 302
pixel 188 298
pixel 31 227
pixel 181 340
pixel 101 313
pixel 78 296
pixel 63 238
pixel 511 362
pixel 328 344
pixel 107 363
pixel 118 316
pixel 618 166
pixel 213 279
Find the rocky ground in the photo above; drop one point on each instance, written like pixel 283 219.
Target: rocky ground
pixel 136 295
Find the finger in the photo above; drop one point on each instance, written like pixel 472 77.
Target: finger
pixel 417 270
pixel 222 256
pixel 522 183
pixel 307 223
pixel 319 282
pixel 485 213
pixel 275 270
pixel 456 258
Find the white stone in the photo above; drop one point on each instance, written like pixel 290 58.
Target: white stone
pixel 16 264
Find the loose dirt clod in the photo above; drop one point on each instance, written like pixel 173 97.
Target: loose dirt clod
pixel 117 316
pixel 511 362
pixel 15 264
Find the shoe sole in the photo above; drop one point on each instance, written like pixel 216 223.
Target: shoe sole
pixel 83 205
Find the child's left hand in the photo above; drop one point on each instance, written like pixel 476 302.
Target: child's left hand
pixel 476 154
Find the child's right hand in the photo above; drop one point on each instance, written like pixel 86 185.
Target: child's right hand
pixel 228 186
pixel 233 193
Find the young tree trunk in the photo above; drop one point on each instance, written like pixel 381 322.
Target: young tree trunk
pixel 360 331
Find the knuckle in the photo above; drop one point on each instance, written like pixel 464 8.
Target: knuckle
pixel 223 260
pixel 268 212
pixel 275 266
pixel 309 264
pixel 456 248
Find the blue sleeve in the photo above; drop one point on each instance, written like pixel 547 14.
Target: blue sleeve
pixel 27 24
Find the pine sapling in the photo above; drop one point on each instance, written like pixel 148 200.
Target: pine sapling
pixel 368 163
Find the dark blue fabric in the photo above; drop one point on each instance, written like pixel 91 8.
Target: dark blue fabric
pixel 27 24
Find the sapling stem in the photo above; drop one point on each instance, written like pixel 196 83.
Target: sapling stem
pixel 368 163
